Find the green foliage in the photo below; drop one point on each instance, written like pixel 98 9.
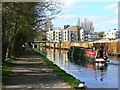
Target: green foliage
pixel 21 22
pixel 18 20
pixel 100 34
pixel 6 68
pixel 42 44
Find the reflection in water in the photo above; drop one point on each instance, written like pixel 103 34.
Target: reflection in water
pixel 93 74
pixel 114 58
pixel 98 67
pixel 57 56
pixel 101 69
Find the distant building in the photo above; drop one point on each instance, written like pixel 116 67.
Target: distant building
pixel 112 34
pixel 83 31
pixel 54 35
pixel 73 34
pixel 49 35
pixel 93 37
pixel 57 35
pixel 65 35
pixel 118 33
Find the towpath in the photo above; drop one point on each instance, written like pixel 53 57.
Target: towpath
pixel 30 72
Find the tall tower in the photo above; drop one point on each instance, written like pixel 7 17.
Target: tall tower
pixel 85 22
pixel 79 23
pixel 79 28
pixel 91 28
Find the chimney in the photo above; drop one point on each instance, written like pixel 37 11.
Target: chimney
pixel 66 26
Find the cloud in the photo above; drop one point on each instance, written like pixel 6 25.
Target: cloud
pixel 67 3
pixel 64 19
pixel 92 18
pixel 112 7
pixel 106 25
pixel 67 17
pixel 72 7
pixel 87 0
pixel 113 21
pixel 100 23
pixel 116 11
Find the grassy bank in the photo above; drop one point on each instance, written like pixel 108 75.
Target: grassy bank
pixel 72 81
pixel 6 68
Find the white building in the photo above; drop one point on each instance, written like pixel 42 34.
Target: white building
pixel 49 35
pixel 57 35
pixel 80 32
pixel 112 34
pixel 54 35
pixel 65 35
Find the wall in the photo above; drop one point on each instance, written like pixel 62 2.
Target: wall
pixel 110 47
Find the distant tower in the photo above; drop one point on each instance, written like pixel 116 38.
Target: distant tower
pixel 85 23
pixel 79 28
pixel 79 23
pixel 91 28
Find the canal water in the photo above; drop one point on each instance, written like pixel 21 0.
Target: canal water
pixel 94 75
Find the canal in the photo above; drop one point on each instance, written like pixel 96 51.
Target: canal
pixel 102 76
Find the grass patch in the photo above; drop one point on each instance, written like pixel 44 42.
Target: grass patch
pixel 72 81
pixel 6 68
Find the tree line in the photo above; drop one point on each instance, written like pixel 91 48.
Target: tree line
pixel 21 21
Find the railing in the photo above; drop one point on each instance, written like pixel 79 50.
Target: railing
pixel 37 41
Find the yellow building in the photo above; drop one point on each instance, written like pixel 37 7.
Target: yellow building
pixel 73 34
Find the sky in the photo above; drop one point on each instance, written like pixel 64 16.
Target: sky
pixel 102 13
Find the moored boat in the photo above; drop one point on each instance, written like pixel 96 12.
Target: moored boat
pixel 84 54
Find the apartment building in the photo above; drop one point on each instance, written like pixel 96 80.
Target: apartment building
pixel 54 35
pixel 112 34
pixel 73 34
pixel 67 33
pixel 49 35
pixel 57 34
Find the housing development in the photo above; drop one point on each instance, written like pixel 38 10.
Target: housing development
pixel 82 32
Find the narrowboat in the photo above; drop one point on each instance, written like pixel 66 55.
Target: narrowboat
pixel 76 53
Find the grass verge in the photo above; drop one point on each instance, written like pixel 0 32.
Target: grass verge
pixel 72 81
pixel 6 68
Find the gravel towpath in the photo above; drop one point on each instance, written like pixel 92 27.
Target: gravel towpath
pixel 31 73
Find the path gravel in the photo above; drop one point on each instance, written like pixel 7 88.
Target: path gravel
pixel 31 73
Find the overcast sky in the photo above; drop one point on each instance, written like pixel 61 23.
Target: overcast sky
pixel 103 13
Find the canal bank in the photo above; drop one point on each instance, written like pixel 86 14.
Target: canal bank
pixel 113 48
pixel 105 76
pixel 71 80
pixel 31 72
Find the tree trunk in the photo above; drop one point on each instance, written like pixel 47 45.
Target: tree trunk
pixel 4 50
